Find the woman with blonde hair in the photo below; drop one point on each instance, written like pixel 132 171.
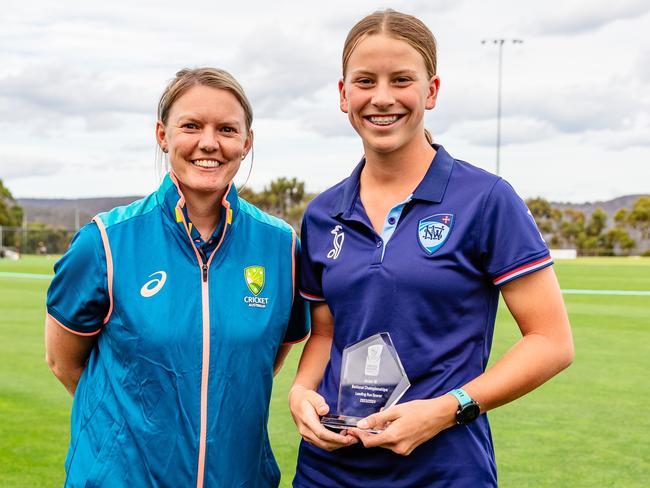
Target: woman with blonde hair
pixel 418 244
pixel 168 317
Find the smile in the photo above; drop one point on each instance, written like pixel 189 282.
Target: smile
pixel 206 163
pixel 383 120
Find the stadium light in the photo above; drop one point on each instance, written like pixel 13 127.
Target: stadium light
pixel 500 43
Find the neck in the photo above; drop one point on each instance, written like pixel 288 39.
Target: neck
pixel 398 173
pixel 204 210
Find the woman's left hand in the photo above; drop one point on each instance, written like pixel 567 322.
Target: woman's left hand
pixel 408 425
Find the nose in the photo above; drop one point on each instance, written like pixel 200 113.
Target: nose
pixel 382 96
pixel 208 141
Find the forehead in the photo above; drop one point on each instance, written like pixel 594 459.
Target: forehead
pixel 207 101
pixel 382 52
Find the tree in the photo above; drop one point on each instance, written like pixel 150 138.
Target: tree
pixel 639 217
pixel 597 223
pixel 283 197
pixel 542 213
pixel 55 239
pixel 11 214
pixel 572 229
pixel 618 239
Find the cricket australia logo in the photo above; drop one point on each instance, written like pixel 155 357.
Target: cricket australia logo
pixel 434 230
pixel 339 237
pixel 255 277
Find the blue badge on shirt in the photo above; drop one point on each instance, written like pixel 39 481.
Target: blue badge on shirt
pixel 434 230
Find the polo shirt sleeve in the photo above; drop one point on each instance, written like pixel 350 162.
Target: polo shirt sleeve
pixel 299 320
pixel 510 242
pixel 311 272
pixel 78 296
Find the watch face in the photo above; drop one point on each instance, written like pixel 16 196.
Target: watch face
pixel 468 413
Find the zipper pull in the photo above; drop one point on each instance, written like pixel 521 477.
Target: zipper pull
pixel 205 273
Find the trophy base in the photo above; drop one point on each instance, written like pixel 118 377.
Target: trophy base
pixel 337 423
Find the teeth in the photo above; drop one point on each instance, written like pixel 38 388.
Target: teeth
pixel 383 119
pixel 206 163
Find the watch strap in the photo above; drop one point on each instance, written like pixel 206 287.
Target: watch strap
pixel 462 396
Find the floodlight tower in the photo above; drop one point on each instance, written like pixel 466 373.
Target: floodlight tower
pixel 500 43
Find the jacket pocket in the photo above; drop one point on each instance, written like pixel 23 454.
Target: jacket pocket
pixel 104 462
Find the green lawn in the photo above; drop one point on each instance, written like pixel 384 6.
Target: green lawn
pixel 586 428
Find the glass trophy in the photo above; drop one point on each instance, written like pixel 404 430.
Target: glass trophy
pixel 372 379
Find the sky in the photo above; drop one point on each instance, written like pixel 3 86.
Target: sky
pixel 80 82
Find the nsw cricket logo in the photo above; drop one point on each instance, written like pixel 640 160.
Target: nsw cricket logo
pixel 434 231
pixel 339 237
pixel 254 276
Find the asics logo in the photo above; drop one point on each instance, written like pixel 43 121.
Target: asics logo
pixel 151 287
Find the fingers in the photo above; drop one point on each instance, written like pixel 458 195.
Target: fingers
pixel 318 402
pixel 306 407
pixel 379 420
pixel 383 439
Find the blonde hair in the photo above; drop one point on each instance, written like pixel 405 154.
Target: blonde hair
pixel 400 26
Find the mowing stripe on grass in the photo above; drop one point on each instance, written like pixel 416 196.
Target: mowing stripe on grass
pixel 638 293
pixel 29 276
pixel 33 276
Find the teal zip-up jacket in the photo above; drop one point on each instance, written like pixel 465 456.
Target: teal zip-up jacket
pixel 177 388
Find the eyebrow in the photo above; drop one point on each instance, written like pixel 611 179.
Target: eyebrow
pixel 194 117
pixel 363 71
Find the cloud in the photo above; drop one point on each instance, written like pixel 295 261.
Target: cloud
pixel 634 133
pixel 288 68
pixel 642 67
pixel 14 166
pixel 580 16
pixel 514 130
pixel 73 92
pixel 48 98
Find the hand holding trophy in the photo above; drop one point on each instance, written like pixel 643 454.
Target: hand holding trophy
pixel 372 379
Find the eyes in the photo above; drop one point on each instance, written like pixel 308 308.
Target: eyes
pixel 195 126
pixel 368 82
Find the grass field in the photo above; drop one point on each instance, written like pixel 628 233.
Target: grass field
pixel 589 427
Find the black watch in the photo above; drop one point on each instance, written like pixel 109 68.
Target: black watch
pixel 468 409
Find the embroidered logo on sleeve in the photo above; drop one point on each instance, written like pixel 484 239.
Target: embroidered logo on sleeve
pixel 434 231
pixel 339 237
pixel 530 214
pixel 255 277
pixel 151 287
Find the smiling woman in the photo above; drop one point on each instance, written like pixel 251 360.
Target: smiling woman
pixel 430 242
pixel 157 345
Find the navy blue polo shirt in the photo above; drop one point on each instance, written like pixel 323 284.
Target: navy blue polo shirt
pixel 432 280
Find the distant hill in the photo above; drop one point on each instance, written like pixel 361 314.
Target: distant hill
pixel 64 212
pixel 610 206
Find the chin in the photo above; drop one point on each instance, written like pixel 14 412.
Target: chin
pixel 384 146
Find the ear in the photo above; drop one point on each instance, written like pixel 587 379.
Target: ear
pixel 434 88
pixel 343 99
pixel 161 135
pixel 248 143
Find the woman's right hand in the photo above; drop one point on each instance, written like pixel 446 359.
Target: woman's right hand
pixel 307 407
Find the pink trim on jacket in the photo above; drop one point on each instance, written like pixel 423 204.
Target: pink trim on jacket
pixel 293 265
pixel 85 334
pixel 109 265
